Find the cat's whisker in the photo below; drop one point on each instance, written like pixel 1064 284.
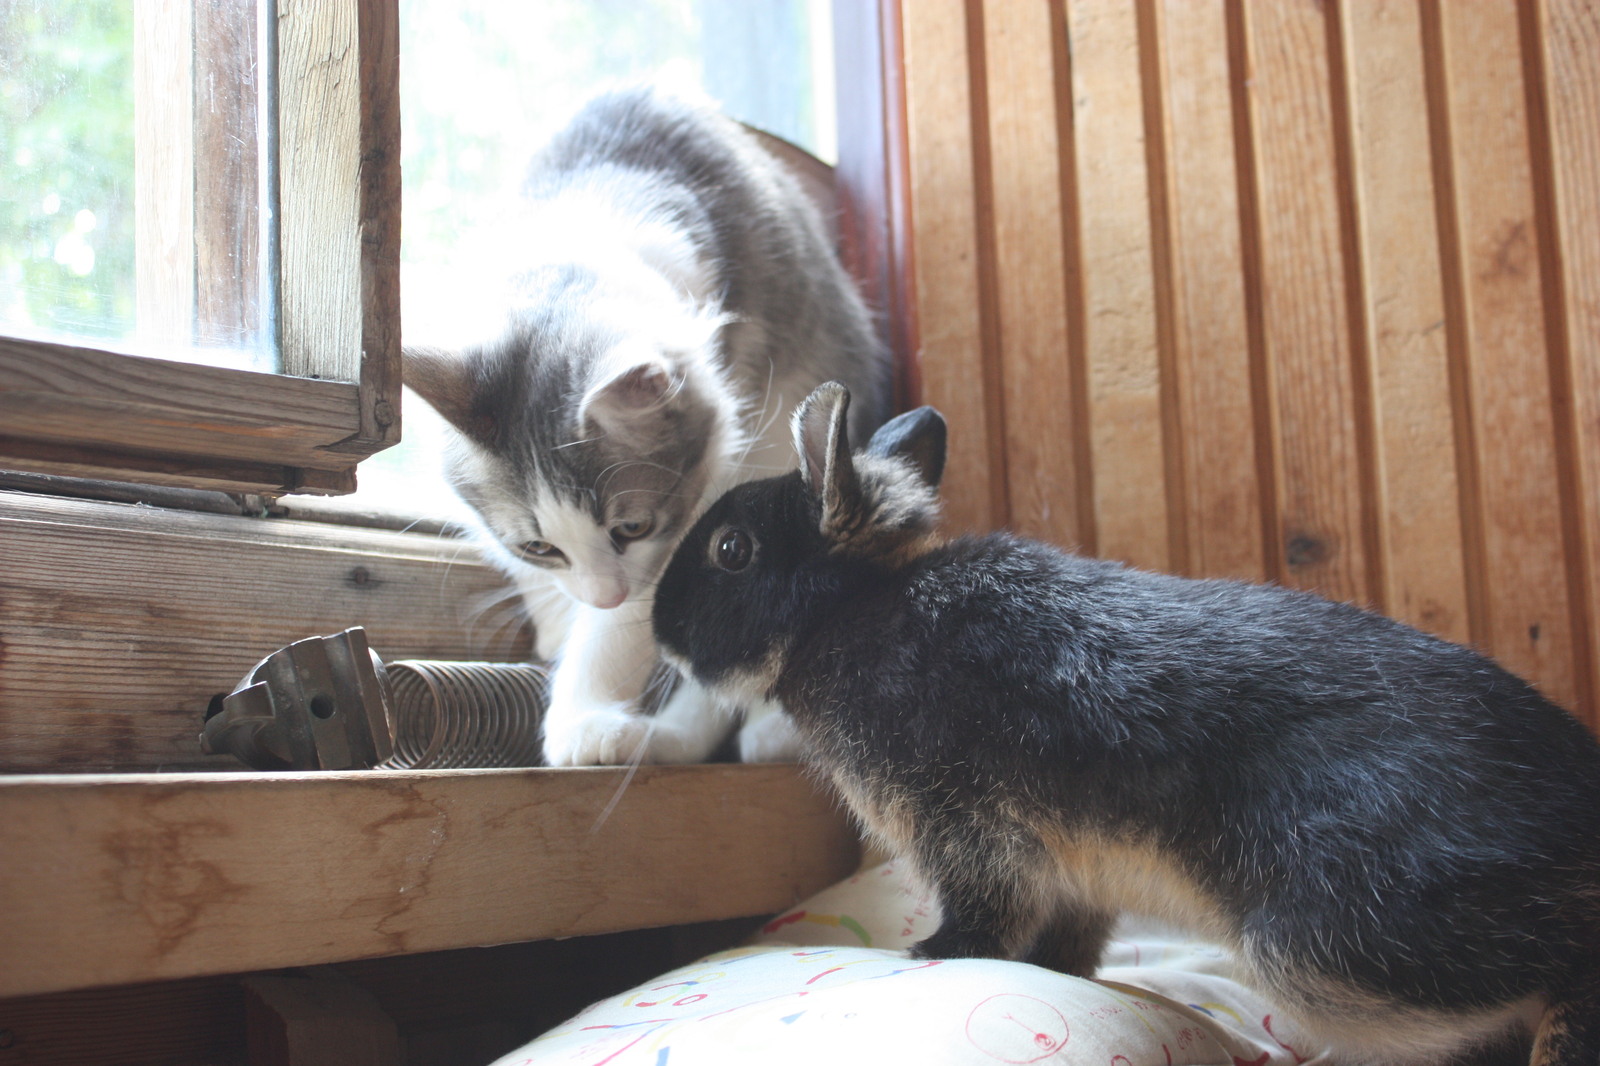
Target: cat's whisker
pixel 635 760
pixel 463 545
pixel 758 415
pixel 772 409
pixel 628 464
pixel 504 637
pixel 493 606
pixel 651 493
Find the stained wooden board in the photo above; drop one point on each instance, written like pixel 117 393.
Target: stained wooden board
pixel 90 397
pixel 1418 488
pixel 871 181
pixel 120 622
pixel 143 877
pixel 1305 313
pixel 957 376
pixel 1527 624
pixel 339 213
pixel 228 262
pixel 1572 88
pixel 200 473
pixel 1123 366
pixel 378 225
pixel 1039 299
pixel 1212 384
pixel 1373 236
pixel 319 135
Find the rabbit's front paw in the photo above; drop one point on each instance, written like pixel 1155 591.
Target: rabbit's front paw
pixel 948 943
pixel 603 736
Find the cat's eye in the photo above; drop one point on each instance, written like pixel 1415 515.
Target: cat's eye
pixel 634 530
pixel 541 549
pixel 733 550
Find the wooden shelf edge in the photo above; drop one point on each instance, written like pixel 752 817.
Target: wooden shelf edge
pixel 121 878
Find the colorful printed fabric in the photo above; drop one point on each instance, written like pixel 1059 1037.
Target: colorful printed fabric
pixel 829 982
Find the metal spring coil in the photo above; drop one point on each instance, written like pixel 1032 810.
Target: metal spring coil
pixel 452 715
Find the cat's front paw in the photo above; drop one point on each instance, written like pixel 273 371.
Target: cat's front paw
pixel 605 736
pixel 770 738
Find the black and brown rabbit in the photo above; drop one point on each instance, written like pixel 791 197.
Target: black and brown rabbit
pixel 1399 838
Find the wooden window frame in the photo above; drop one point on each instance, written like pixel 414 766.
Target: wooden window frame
pixel 82 411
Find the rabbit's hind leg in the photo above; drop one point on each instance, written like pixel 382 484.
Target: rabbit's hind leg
pixel 1569 1031
pixel 1073 941
pixel 996 890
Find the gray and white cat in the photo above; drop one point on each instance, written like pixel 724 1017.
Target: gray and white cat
pixel 676 299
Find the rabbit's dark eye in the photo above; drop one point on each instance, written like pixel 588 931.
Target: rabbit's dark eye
pixel 733 550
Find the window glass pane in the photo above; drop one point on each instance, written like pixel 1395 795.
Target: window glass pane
pixel 484 82
pixel 131 183
pixel 66 168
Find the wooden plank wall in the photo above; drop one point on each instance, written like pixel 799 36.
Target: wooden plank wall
pixel 1292 290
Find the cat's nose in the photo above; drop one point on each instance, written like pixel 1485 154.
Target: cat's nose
pixel 604 594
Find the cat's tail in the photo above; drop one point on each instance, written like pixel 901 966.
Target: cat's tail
pixel 1569 1032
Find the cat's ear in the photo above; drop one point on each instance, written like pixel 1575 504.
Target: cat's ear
pixel 622 401
pixel 445 379
pixel 917 437
pixel 823 443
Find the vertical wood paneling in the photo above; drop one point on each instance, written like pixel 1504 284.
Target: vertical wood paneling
pixel 944 191
pixel 867 183
pixel 1304 290
pixel 1304 312
pixel 1572 96
pixel 1527 625
pixel 1209 338
pixel 1049 494
pixel 1419 492
pixel 1118 295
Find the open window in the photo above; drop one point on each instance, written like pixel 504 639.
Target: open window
pixel 264 197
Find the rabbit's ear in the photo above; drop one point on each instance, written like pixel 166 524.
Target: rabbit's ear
pixel 824 446
pixel 917 436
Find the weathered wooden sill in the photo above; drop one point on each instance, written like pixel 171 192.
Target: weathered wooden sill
pixel 119 878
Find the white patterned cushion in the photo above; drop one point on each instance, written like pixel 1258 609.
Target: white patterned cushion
pixel 828 983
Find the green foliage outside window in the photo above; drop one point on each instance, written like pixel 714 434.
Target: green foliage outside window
pixel 66 166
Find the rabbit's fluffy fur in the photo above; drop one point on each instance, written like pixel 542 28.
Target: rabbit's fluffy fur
pixel 1400 839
